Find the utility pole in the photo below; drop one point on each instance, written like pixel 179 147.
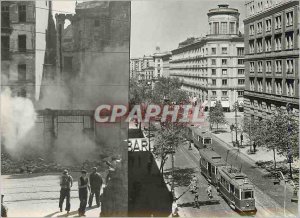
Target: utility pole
pixel 236 134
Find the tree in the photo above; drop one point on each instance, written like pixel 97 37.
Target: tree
pixel 216 115
pixel 273 133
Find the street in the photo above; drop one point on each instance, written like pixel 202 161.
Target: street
pixel 187 163
pixel 37 195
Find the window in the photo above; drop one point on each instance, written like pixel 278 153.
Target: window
pixel 4 16
pixel 4 47
pixel 213 51
pixel 289 18
pixel 213 61
pixel 268 44
pixel 241 81
pixel 97 23
pixel 22 72
pixel 268 85
pixel 215 28
pixel 259 85
pixel 241 71
pixel 224 50
pixel 213 72
pixel 259 67
pixel 251 29
pixel 224 61
pixel 251 67
pixel 290 87
pixel 224 93
pixel 224 82
pixel 268 66
pixel 214 82
pixel 289 40
pixel 22 43
pixel 240 93
pixel 223 28
pixel 240 61
pixel 278 86
pixel 278 42
pixel 268 25
pixel 259 27
pixel 252 84
pixel 259 45
pixel 214 93
pixel 278 22
pixel 278 66
pixel 240 51
pixel 224 71
pixel 232 29
pixel 22 13
pixel 251 46
pixel 289 66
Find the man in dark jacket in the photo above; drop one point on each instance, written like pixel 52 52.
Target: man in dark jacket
pixel 66 182
pixel 83 186
pixel 96 184
pixel 3 208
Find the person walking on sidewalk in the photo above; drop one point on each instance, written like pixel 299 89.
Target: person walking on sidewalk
pixel 66 182
pixel 96 184
pixel 83 186
pixel 209 191
pixel 194 190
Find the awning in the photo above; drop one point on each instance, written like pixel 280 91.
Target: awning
pixel 225 104
pixel 213 103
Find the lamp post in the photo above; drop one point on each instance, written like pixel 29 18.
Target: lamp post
pixel 290 158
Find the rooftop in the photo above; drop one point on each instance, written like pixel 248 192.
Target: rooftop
pixel 223 9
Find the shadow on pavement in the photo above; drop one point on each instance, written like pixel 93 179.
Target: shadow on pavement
pixel 148 193
pixel 52 214
pixel 182 177
pixel 201 203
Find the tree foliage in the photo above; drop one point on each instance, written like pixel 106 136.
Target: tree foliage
pixel 216 115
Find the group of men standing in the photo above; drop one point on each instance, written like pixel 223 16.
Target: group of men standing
pixel 92 183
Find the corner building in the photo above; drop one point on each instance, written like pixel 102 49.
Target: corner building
pixel 212 67
pixel 272 57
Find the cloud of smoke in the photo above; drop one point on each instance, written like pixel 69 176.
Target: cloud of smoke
pixel 17 119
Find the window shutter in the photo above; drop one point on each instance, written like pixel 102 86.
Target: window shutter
pixel 30 10
pixel 13 13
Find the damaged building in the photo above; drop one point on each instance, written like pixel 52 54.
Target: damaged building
pixel 23 46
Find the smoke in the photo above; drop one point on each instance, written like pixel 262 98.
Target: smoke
pixel 17 119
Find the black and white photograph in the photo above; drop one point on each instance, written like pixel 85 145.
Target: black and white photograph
pixel 150 108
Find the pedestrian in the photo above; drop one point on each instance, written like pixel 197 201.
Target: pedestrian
pixel 209 191
pixel 96 184
pixel 3 208
pixel 66 182
pixel 242 137
pixel 83 186
pixel 194 190
pixel 254 146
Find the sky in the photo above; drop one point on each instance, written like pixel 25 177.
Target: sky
pixel 165 23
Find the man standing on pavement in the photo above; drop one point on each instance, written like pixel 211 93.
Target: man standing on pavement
pixel 96 184
pixel 194 190
pixel 83 186
pixel 209 191
pixel 66 182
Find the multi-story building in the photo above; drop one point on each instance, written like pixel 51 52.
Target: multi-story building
pixel 161 64
pixel 138 65
pixel 212 67
pixel 272 56
pixel 23 46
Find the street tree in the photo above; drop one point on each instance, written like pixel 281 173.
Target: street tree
pixel 279 133
pixel 216 115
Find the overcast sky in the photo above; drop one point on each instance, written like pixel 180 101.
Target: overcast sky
pixel 165 23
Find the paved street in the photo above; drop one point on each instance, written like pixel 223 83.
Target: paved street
pixel 37 195
pixel 187 163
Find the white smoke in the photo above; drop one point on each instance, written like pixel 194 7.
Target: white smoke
pixel 17 119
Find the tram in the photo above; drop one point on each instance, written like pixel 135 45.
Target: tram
pixel 200 137
pixel 232 184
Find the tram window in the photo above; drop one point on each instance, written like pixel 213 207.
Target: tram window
pixel 207 141
pixel 213 169
pixel 237 193
pixel 199 139
pixel 247 194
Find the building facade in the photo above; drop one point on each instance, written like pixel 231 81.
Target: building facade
pixel 212 67
pixel 138 65
pixel 272 56
pixel 161 64
pixel 23 46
